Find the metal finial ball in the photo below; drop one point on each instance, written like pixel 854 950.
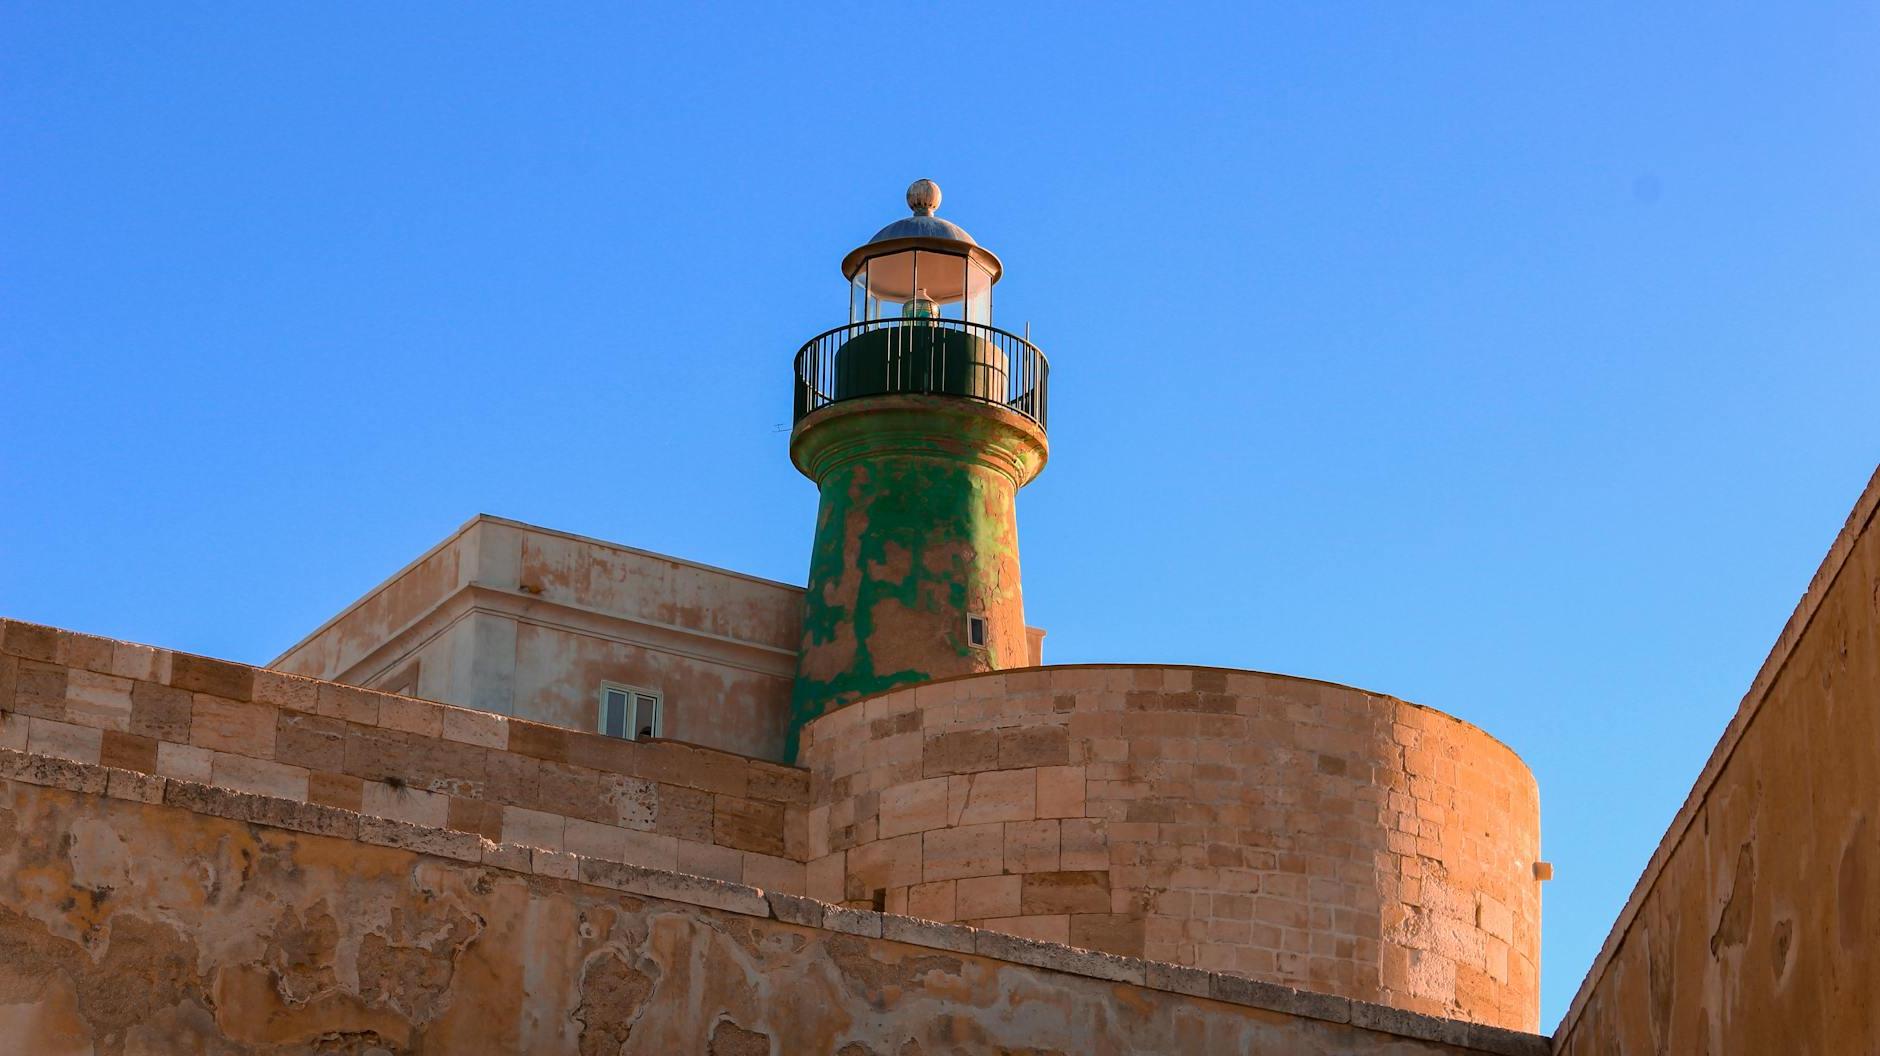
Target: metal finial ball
pixel 923 196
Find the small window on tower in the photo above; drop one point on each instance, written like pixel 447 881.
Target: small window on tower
pixel 976 631
pixel 629 712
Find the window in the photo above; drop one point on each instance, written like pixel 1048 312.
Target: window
pixel 629 712
pixel 976 631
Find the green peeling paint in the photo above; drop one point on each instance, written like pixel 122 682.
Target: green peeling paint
pixel 921 526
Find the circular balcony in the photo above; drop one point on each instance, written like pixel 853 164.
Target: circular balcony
pixel 922 356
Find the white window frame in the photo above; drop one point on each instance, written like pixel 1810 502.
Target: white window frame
pixel 632 692
pixel 985 626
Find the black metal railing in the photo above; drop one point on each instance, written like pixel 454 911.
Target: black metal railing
pixel 925 356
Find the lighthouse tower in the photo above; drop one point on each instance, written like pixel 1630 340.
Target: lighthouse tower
pixel 919 421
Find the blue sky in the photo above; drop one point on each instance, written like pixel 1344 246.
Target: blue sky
pixel 1518 360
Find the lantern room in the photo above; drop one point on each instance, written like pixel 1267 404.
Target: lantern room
pixel 921 267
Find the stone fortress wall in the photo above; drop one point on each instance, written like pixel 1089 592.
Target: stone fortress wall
pixel 1279 828
pixel 661 804
pixel 1754 925
pixel 1136 811
pixel 146 916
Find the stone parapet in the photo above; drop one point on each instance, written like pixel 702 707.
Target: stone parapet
pixel 1285 830
pixel 265 923
pixel 659 804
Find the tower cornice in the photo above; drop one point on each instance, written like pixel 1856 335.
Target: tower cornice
pixel 910 426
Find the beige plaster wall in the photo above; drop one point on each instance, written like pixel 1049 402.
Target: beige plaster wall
pixel 520 620
pixel 1280 828
pixel 1754 927
pixel 142 916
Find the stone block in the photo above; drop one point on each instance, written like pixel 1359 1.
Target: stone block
pixel 468 726
pixel 970 850
pixel 959 752
pixel 184 762
pixel 161 712
pixel 313 741
pixel 335 790
pixel 1031 846
pixel 127 751
pixel 931 934
pixel 1118 933
pixel 216 678
pixel 238 727
pixel 63 740
pixel 261 810
pixel 631 803
pixel 796 845
pixel 540 741
pixel 652 850
pixel 285 691
pixel 99 700
pixel 774 781
pixel 706 859
pixel 560 864
pixel 983 897
pixel 564 788
pixel 849 921
pixel 747 824
pixel 508 856
pixel 1176 979
pixel 534 828
pixel 411 715
pixel 1059 958
pixel 676 887
pixel 1494 918
pixel 683 813
pixel 1073 891
pixel 475 815
pixel 133 786
pixel 261 777
pixel 429 763
pixel 1274 997
pixel 592 840
pixel 673 763
pixel 1083 843
pixel 39 690
pixel 31 640
pixel 54 772
pixel 935 901
pixel 84 652
pixel 914 807
pixel 795 909
pixel 403 803
pixel 347 702
pixel 824 877
pixel 1061 791
pixel 1000 795
pixel 422 839
pixel 882 865
pixel 1031 746
pixel 770 873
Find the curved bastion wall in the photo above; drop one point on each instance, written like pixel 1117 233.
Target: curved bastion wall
pixel 1289 830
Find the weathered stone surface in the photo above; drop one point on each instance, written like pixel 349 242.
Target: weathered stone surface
pixel 955 937
pixel 217 678
pixel 276 941
pixel 795 909
pixel 1755 924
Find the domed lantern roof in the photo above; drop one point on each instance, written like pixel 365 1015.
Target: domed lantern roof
pixel 922 265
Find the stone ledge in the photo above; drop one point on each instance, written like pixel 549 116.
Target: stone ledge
pixel 750 901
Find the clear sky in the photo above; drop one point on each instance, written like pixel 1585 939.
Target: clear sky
pixel 1516 359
